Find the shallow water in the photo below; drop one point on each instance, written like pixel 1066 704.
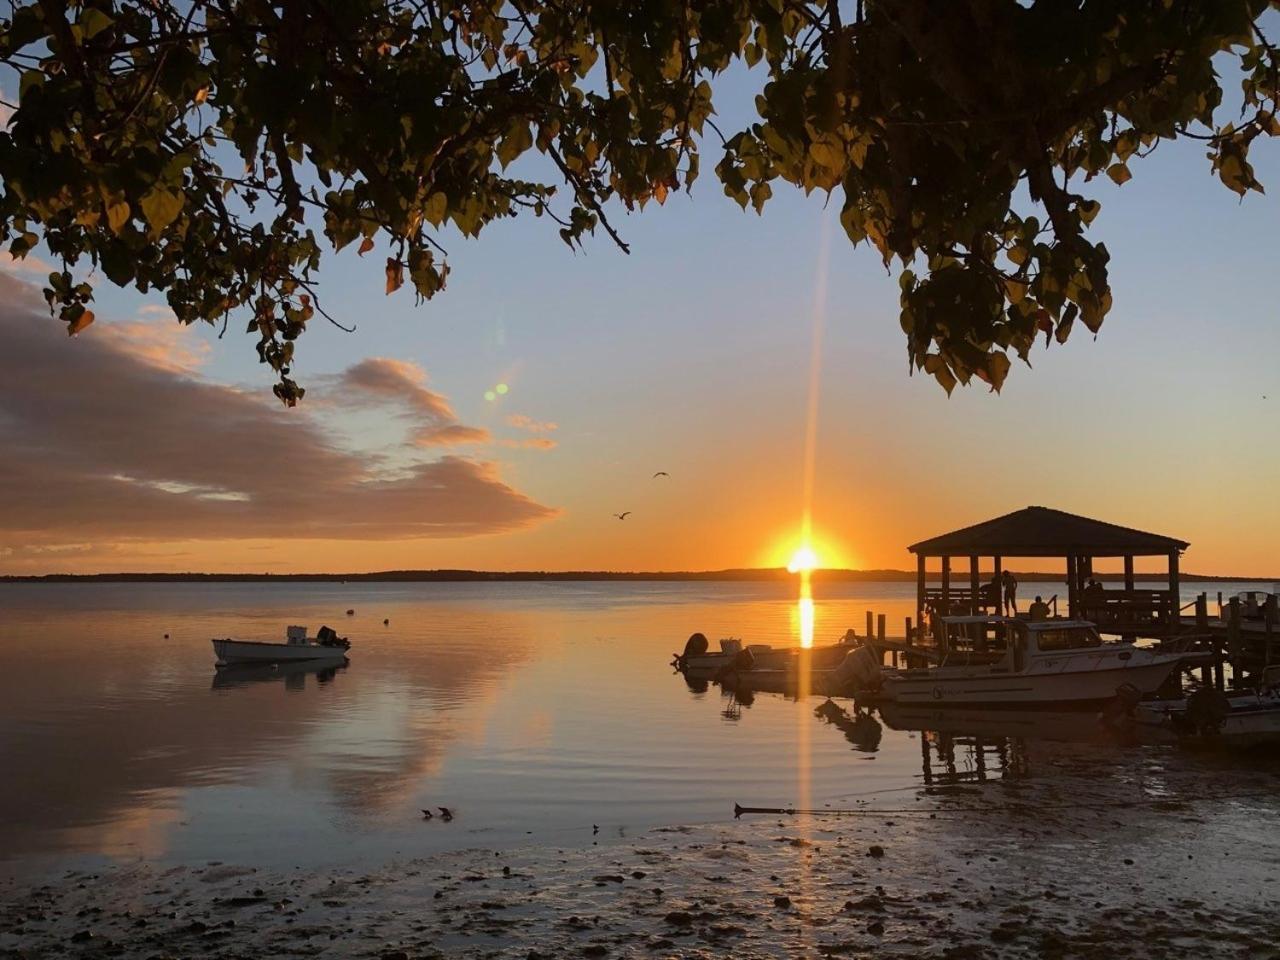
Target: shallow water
pixel 535 710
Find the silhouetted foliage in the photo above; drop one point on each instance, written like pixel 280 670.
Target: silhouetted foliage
pixel 196 147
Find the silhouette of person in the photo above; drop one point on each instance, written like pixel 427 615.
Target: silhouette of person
pixel 1010 583
pixel 1039 610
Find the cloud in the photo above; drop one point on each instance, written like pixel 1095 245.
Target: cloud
pixel 158 340
pixel 28 265
pixel 103 444
pixel 521 422
pixel 381 380
pixel 534 443
pixel 451 434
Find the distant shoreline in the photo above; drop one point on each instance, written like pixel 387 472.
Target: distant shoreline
pixel 746 575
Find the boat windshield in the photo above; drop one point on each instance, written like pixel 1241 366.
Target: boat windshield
pixel 978 640
pixel 1068 638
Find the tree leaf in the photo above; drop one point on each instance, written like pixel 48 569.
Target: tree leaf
pixel 161 207
pixel 117 215
pixel 395 275
pixel 437 208
pixel 365 246
pixel 1119 172
pixel 93 21
pixel 79 322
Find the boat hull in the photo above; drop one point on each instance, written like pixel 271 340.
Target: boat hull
pixel 254 651
pixel 1042 689
pixel 710 665
pixel 1250 722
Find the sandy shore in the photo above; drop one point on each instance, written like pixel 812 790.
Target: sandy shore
pixel 1114 863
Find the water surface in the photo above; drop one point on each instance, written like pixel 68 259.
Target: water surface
pixel 536 711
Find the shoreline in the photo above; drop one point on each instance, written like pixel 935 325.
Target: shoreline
pixel 583 576
pixel 1098 860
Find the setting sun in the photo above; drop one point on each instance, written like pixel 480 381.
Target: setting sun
pixel 803 560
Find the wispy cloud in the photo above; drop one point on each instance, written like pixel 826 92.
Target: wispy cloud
pixel 531 443
pixel 29 266
pixel 521 422
pixel 401 384
pixel 104 444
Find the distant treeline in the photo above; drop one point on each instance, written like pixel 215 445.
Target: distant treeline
pixel 960 578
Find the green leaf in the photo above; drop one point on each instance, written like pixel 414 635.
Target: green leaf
pixel 117 215
pixel 161 207
pixel 437 208
pixel 518 139
pixel 93 21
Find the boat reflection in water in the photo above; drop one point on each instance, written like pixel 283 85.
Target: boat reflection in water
pixel 974 746
pixel 294 675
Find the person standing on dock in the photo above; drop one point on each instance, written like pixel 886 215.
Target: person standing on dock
pixel 1010 583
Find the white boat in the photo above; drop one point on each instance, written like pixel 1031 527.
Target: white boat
pixel 1209 718
pixel 698 660
pixel 326 645
pixel 987 661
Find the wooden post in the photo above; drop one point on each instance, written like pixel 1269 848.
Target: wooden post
pixel 880 627
pixel 1175 588
pixel 1268 623
pixel 946 586
pixel 920 588
pixel 1233 644
pixel 1202 626
pixel 1073 600
pixel 870 617
pixel 1128 574
pixel 908 633
pixel 973 584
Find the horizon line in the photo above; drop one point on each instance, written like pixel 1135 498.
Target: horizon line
pixel 465 574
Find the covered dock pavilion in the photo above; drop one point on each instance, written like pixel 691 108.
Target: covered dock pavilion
pixel 1041 532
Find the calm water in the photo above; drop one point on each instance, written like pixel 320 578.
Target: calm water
pixel 534 710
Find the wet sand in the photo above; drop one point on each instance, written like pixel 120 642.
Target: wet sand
pixel 1095 861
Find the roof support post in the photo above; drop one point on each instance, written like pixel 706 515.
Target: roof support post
pixel 1128 607
pixel 920 587
pixel 1073 586
pixel 1175 593
pixel 946 586
pixel 998 599
pixel 973 585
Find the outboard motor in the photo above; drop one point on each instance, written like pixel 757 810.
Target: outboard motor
pixel 695 646
pixel 1206 711
pixel 859 670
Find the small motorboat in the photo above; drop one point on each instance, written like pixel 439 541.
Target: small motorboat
pixel 326 645
pixel 1208 718
pixel 993 661
pixel 699 661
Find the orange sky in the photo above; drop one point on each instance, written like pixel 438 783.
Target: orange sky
pixel 501 426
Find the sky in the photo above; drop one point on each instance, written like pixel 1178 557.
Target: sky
pixel 144 446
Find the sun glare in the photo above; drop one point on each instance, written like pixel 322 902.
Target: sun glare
pixel 803 560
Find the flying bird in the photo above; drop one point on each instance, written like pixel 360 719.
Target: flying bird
pixel 427 814
pixel 661 473
pixel 623 515
pixel 445 813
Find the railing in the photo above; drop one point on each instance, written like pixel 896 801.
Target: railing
pixel 1130 608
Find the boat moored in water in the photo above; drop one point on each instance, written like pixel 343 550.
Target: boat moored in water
pixel 698 660
pixel 1207 717
pixel 326 645
pixel 992 661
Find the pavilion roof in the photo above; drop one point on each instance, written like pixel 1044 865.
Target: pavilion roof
pixel 1043 532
